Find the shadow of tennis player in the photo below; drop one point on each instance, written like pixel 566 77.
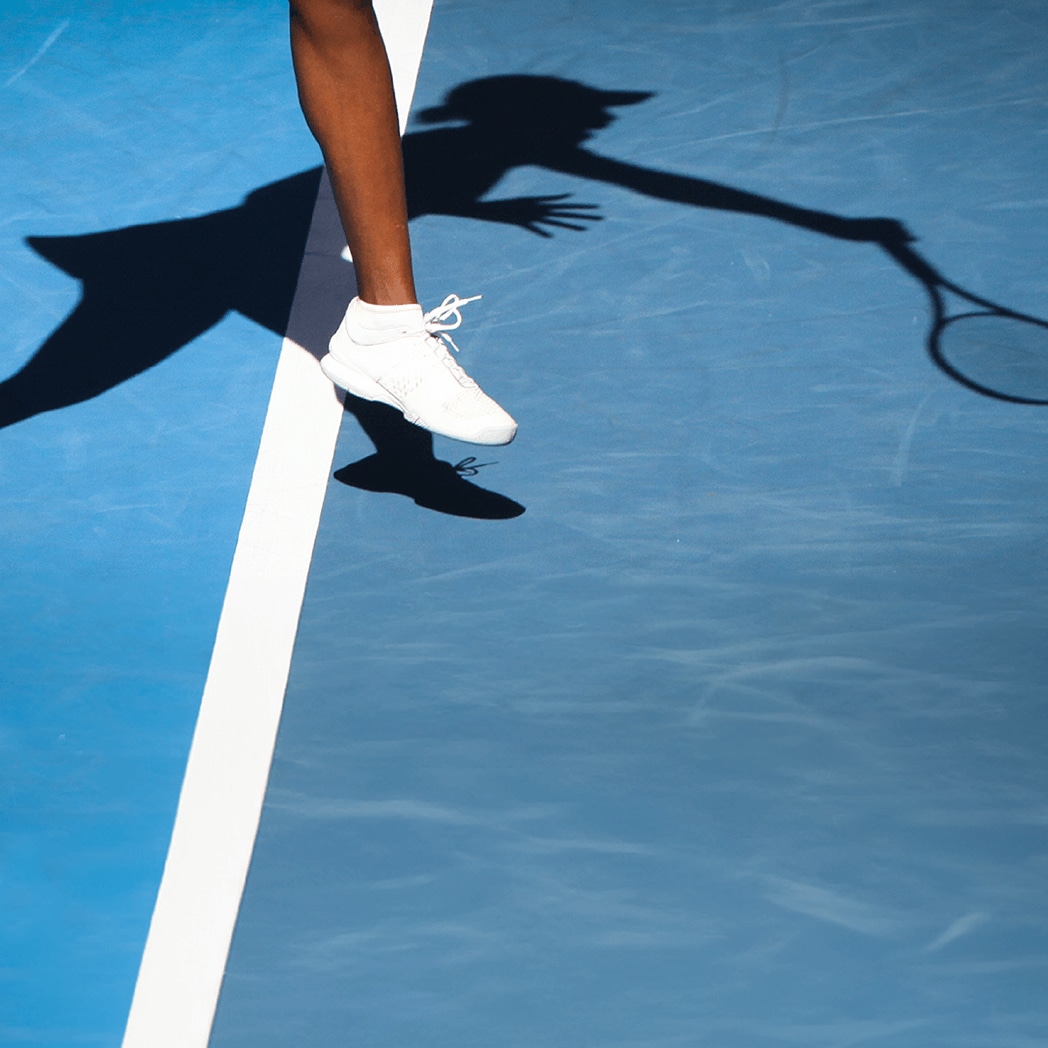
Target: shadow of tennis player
pixel 149 290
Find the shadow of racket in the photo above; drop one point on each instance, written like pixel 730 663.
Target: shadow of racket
pixel 992 350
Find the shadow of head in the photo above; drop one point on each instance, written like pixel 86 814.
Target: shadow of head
pixel 544 109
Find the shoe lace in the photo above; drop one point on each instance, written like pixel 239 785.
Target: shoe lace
pixel 450 307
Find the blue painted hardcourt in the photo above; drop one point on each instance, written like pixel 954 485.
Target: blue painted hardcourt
pixel 736 736
pixel 119 516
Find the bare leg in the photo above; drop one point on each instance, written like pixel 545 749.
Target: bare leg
pixel 386 349
pixel 346 92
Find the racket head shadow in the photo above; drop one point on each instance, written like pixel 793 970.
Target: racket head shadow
pixel 999 354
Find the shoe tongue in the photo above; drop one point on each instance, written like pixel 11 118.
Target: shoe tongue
pixel 374 324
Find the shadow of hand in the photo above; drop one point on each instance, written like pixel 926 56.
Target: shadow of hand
pixel 534 212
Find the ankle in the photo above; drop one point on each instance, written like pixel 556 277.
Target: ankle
pixel 371 323
pixel 395 292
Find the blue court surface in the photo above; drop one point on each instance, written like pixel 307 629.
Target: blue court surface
pixel 711 711
pixel 120 514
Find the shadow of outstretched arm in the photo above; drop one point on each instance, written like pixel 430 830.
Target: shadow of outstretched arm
pixel 698 192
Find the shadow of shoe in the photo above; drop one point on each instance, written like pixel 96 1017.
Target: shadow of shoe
pixel 431 484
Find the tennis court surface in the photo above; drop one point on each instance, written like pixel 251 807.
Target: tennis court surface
pixel 711 710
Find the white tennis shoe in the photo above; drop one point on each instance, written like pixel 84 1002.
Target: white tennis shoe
pixel 399 356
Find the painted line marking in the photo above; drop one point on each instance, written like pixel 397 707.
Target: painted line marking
pixel 224 787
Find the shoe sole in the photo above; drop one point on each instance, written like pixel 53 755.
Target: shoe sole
pixel 354 381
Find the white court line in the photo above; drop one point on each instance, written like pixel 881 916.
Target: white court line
pixel 221 800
